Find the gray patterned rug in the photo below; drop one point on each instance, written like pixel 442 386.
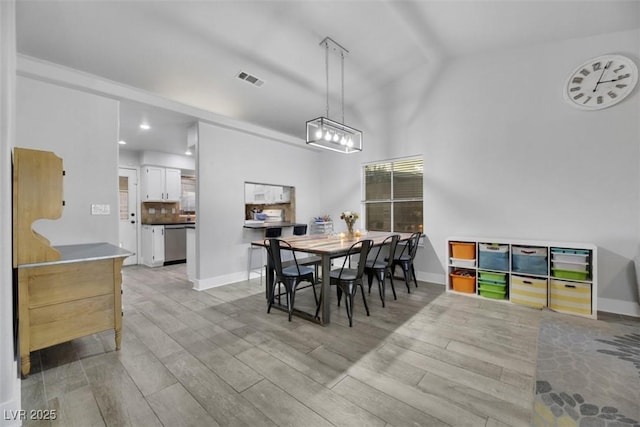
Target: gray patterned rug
pixel 588 374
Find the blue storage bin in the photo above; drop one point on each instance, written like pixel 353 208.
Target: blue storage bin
pixel 493 257
pixel 529 260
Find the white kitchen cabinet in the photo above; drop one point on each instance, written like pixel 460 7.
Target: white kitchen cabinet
pixel 249 193
pixel 153 245
pixel 173 184
pixel 160 184
pixel 263 194
pixel 286 194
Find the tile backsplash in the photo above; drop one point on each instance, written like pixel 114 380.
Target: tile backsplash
pixel 159 212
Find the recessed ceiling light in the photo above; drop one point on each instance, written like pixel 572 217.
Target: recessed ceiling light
pixel 122 142
pixel 145 126
pixel 188 152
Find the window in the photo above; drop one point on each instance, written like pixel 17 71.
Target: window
pixel 123 184
pixel 188 196
pixel 393 195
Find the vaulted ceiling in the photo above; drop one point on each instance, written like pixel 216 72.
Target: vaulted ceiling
pixel 192 51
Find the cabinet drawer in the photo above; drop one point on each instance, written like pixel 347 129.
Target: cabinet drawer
pixel 63 322
pixel 529 291
pixel 53 284
pixel 570 297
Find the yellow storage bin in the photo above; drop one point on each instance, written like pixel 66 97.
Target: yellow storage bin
pixel 529 291
pixel 570 297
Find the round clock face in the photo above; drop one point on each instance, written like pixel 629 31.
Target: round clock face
pixel 601 82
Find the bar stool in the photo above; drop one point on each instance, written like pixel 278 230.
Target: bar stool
pixel 269 232
pixel 300 230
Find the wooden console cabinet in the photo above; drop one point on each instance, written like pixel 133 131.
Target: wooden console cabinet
pixel 64 292
pixel 79 295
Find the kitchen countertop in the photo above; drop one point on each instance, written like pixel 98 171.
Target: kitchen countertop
pixel 83 252
pixel 169 223
pixel 267 224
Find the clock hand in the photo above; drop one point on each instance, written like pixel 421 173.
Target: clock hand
pixel 601 75
pixel 614 80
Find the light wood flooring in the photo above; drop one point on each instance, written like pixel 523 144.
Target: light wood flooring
pixel 212 358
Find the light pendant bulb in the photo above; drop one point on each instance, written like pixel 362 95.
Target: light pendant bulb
pixel 350 142
pixel 336 138
pixel 327 136
pixel 319 133
pixel 343 141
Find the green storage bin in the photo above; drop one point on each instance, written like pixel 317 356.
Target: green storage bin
pixel 493 277
pixel 492 286
pixel 492 293
pixel 571 275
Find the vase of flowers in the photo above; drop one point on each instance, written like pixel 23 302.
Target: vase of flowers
pixel 350 219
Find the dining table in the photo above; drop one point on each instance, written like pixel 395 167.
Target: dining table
pixel 325 247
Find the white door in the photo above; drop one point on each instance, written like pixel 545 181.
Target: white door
pixel 128 183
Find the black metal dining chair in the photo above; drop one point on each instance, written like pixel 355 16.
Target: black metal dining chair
pixel 290 275
pixel 405 260
pixel 380 267
pixel 347 279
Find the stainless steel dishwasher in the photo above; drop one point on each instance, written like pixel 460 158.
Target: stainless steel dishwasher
pixel 175 244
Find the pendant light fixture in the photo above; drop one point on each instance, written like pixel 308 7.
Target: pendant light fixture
pixel 330 134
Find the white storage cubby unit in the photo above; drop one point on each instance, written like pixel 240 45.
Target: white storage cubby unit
pixel 559 275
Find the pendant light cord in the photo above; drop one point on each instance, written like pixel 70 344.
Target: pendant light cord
pixel 342 90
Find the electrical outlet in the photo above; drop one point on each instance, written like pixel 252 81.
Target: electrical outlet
pixel 152 211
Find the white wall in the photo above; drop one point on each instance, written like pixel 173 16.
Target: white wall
pixel 82 129
pixel 128 158
pixel 226 159
pixel 506 156
pixel 134 159
pixel 155 158
pixel 9 379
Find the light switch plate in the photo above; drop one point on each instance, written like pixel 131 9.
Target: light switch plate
pixel 100 209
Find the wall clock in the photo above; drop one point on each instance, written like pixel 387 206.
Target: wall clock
pixel 601 82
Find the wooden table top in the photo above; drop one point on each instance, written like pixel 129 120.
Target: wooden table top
pixel 323 244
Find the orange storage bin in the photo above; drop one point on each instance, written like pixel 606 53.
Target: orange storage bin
pixel 463 283
pixel 463 250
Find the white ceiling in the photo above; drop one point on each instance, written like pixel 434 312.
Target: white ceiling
pixel 191 51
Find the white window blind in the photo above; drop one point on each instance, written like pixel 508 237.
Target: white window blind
pixel 393 193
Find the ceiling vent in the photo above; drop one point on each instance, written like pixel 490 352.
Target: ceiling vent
pixel 250 78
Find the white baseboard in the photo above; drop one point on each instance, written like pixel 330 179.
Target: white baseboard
pixel 627 308
pixel 10 410
pixel 214 282
pixel 431 277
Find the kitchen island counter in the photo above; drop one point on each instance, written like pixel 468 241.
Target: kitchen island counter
pixel 269 224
